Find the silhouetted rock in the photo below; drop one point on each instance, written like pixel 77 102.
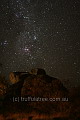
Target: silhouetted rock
pixel 2 88
pixel 39 93
pixel 15 77
pixel 38 71
pixel 38 84
pixel 14 90
pixel 44 88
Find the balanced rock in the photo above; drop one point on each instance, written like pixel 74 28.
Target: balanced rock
pixel 38 71
pixel 15 77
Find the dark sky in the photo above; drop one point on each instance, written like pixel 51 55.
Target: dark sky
pixel 41 34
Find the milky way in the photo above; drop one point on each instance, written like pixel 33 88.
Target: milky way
pixel 41 34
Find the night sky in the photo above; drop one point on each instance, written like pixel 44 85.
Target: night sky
pixel 41 34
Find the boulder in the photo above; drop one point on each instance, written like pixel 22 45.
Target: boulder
pixel 38 71
pixel 15 77
pixel 40 89
pixel 37 92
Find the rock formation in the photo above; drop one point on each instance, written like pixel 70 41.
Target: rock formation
pixel 36 95
pixel 38 71
pixel 14 77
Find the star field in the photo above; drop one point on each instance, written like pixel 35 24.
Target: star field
pixel 41 34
